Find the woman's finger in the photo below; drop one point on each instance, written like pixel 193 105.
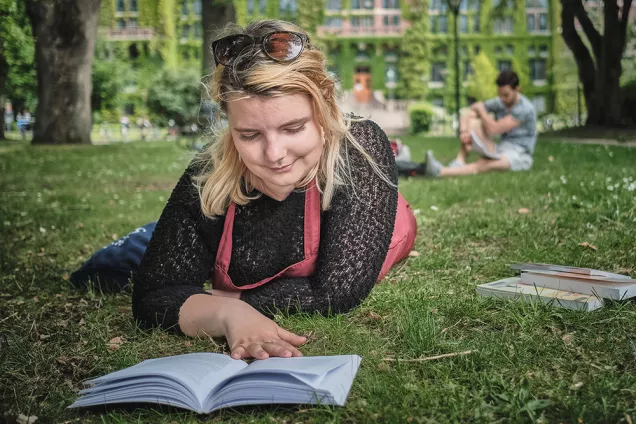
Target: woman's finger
pixel 238 352
pixel 255 350
pixel 277 349
pixel 290 337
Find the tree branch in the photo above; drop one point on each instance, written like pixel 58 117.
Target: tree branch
pixel 584 62
pixel 592 34
pixel 627 5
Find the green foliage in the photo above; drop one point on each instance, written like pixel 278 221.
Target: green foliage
pixel 148 13
pixel 167 12
pixel 175 94
pixel 522 72
pixel 18 48
pixel 107 13
pixel 310 14
pixel 414 64
pixel 481 84
pixel 240 7
pixel 108 83
pixel 421 115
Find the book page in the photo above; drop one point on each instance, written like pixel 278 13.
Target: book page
pixel 199 372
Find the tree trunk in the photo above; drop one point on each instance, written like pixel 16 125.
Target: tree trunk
pixel 4 69
pixel 600 75
pixel 65 33
pixel 215 14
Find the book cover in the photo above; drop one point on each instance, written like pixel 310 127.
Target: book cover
pixel 563 268
pixel 513 288
pixel 607 288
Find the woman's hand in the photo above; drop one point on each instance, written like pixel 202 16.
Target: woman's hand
pixel 250 334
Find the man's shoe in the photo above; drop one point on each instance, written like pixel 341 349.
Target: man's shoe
pixel 433 166
pixel 480 149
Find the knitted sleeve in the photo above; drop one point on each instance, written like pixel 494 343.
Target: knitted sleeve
pixel 354 240
pixel 178 259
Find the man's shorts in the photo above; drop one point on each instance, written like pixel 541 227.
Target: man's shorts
pixel 519 158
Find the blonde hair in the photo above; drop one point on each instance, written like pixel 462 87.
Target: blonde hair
pixel 223 177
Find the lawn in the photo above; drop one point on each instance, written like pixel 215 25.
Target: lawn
pixel 529 362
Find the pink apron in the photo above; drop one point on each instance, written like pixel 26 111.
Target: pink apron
pixel 401 244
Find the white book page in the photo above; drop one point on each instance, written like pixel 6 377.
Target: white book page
pixel 199 372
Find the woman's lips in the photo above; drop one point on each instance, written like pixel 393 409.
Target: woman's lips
pixel 283 168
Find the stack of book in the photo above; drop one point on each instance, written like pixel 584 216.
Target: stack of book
pixel 565 286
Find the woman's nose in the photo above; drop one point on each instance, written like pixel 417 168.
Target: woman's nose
pixel 275 151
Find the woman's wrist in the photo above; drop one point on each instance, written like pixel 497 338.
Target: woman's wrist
pixel 202 314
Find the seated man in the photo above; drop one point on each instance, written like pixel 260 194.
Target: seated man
pixel 516 122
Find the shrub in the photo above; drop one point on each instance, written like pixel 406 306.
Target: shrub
pixel 421 117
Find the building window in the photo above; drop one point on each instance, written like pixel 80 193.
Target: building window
pixel 185 9
pixel 503 25
pixel 262 4
pixel 250 6
pixel 476 50
pixel 463 5
pixel 464 51
pixel 133 5
pixel 463 24
pixel 537 69
pixel 333 5
pixel 468 69
pixel 442 24
pixel 539 104
pixel 543 22
pixel 504 65
pixel 510 50
pixel 396 20
pixel 197 31
pixel 390 4
pixel 476 27
pixel 367 21
pixel 532 51
pixel 355 21
pixel 185 31
pixel 132 23
pixel 391 74
pixel 355 4
pixel 438 72
pixel 288 6
pixel 438 101
pixel 498 50
pixel 530 22
pixel 543 50
pixel 362 56
pixel 121 24
pixel 334 22
pixel 537 4
pixel 390 56
pixel 197 7
pixel 121 6
pixel 439 6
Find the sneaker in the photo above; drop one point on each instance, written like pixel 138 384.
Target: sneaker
pixel 456 164
pixel 433 166
pixel 480 149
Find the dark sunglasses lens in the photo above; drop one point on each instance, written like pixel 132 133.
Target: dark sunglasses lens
pixel 227 49
pixel 284 46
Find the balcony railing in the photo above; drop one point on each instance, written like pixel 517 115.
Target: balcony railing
pixel 127 34
pixel 362 30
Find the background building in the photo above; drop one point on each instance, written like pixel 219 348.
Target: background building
pixel 370 43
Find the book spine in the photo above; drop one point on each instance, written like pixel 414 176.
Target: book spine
pixel 571 285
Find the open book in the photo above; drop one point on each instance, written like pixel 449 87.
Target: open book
pixel 205 382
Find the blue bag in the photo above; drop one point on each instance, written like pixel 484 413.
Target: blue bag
pixel 111 267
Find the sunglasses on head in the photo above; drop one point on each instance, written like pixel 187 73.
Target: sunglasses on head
pixel 281 46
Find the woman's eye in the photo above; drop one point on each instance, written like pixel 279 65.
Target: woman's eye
pixel 295 130
pixel 248 137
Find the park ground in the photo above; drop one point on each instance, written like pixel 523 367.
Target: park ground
pixel 529 362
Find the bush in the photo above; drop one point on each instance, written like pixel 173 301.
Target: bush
pixel 421 117
pixel 175 94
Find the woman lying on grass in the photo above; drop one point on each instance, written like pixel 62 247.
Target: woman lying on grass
pixel 294 207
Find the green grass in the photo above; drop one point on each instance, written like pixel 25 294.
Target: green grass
pixel 530 362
